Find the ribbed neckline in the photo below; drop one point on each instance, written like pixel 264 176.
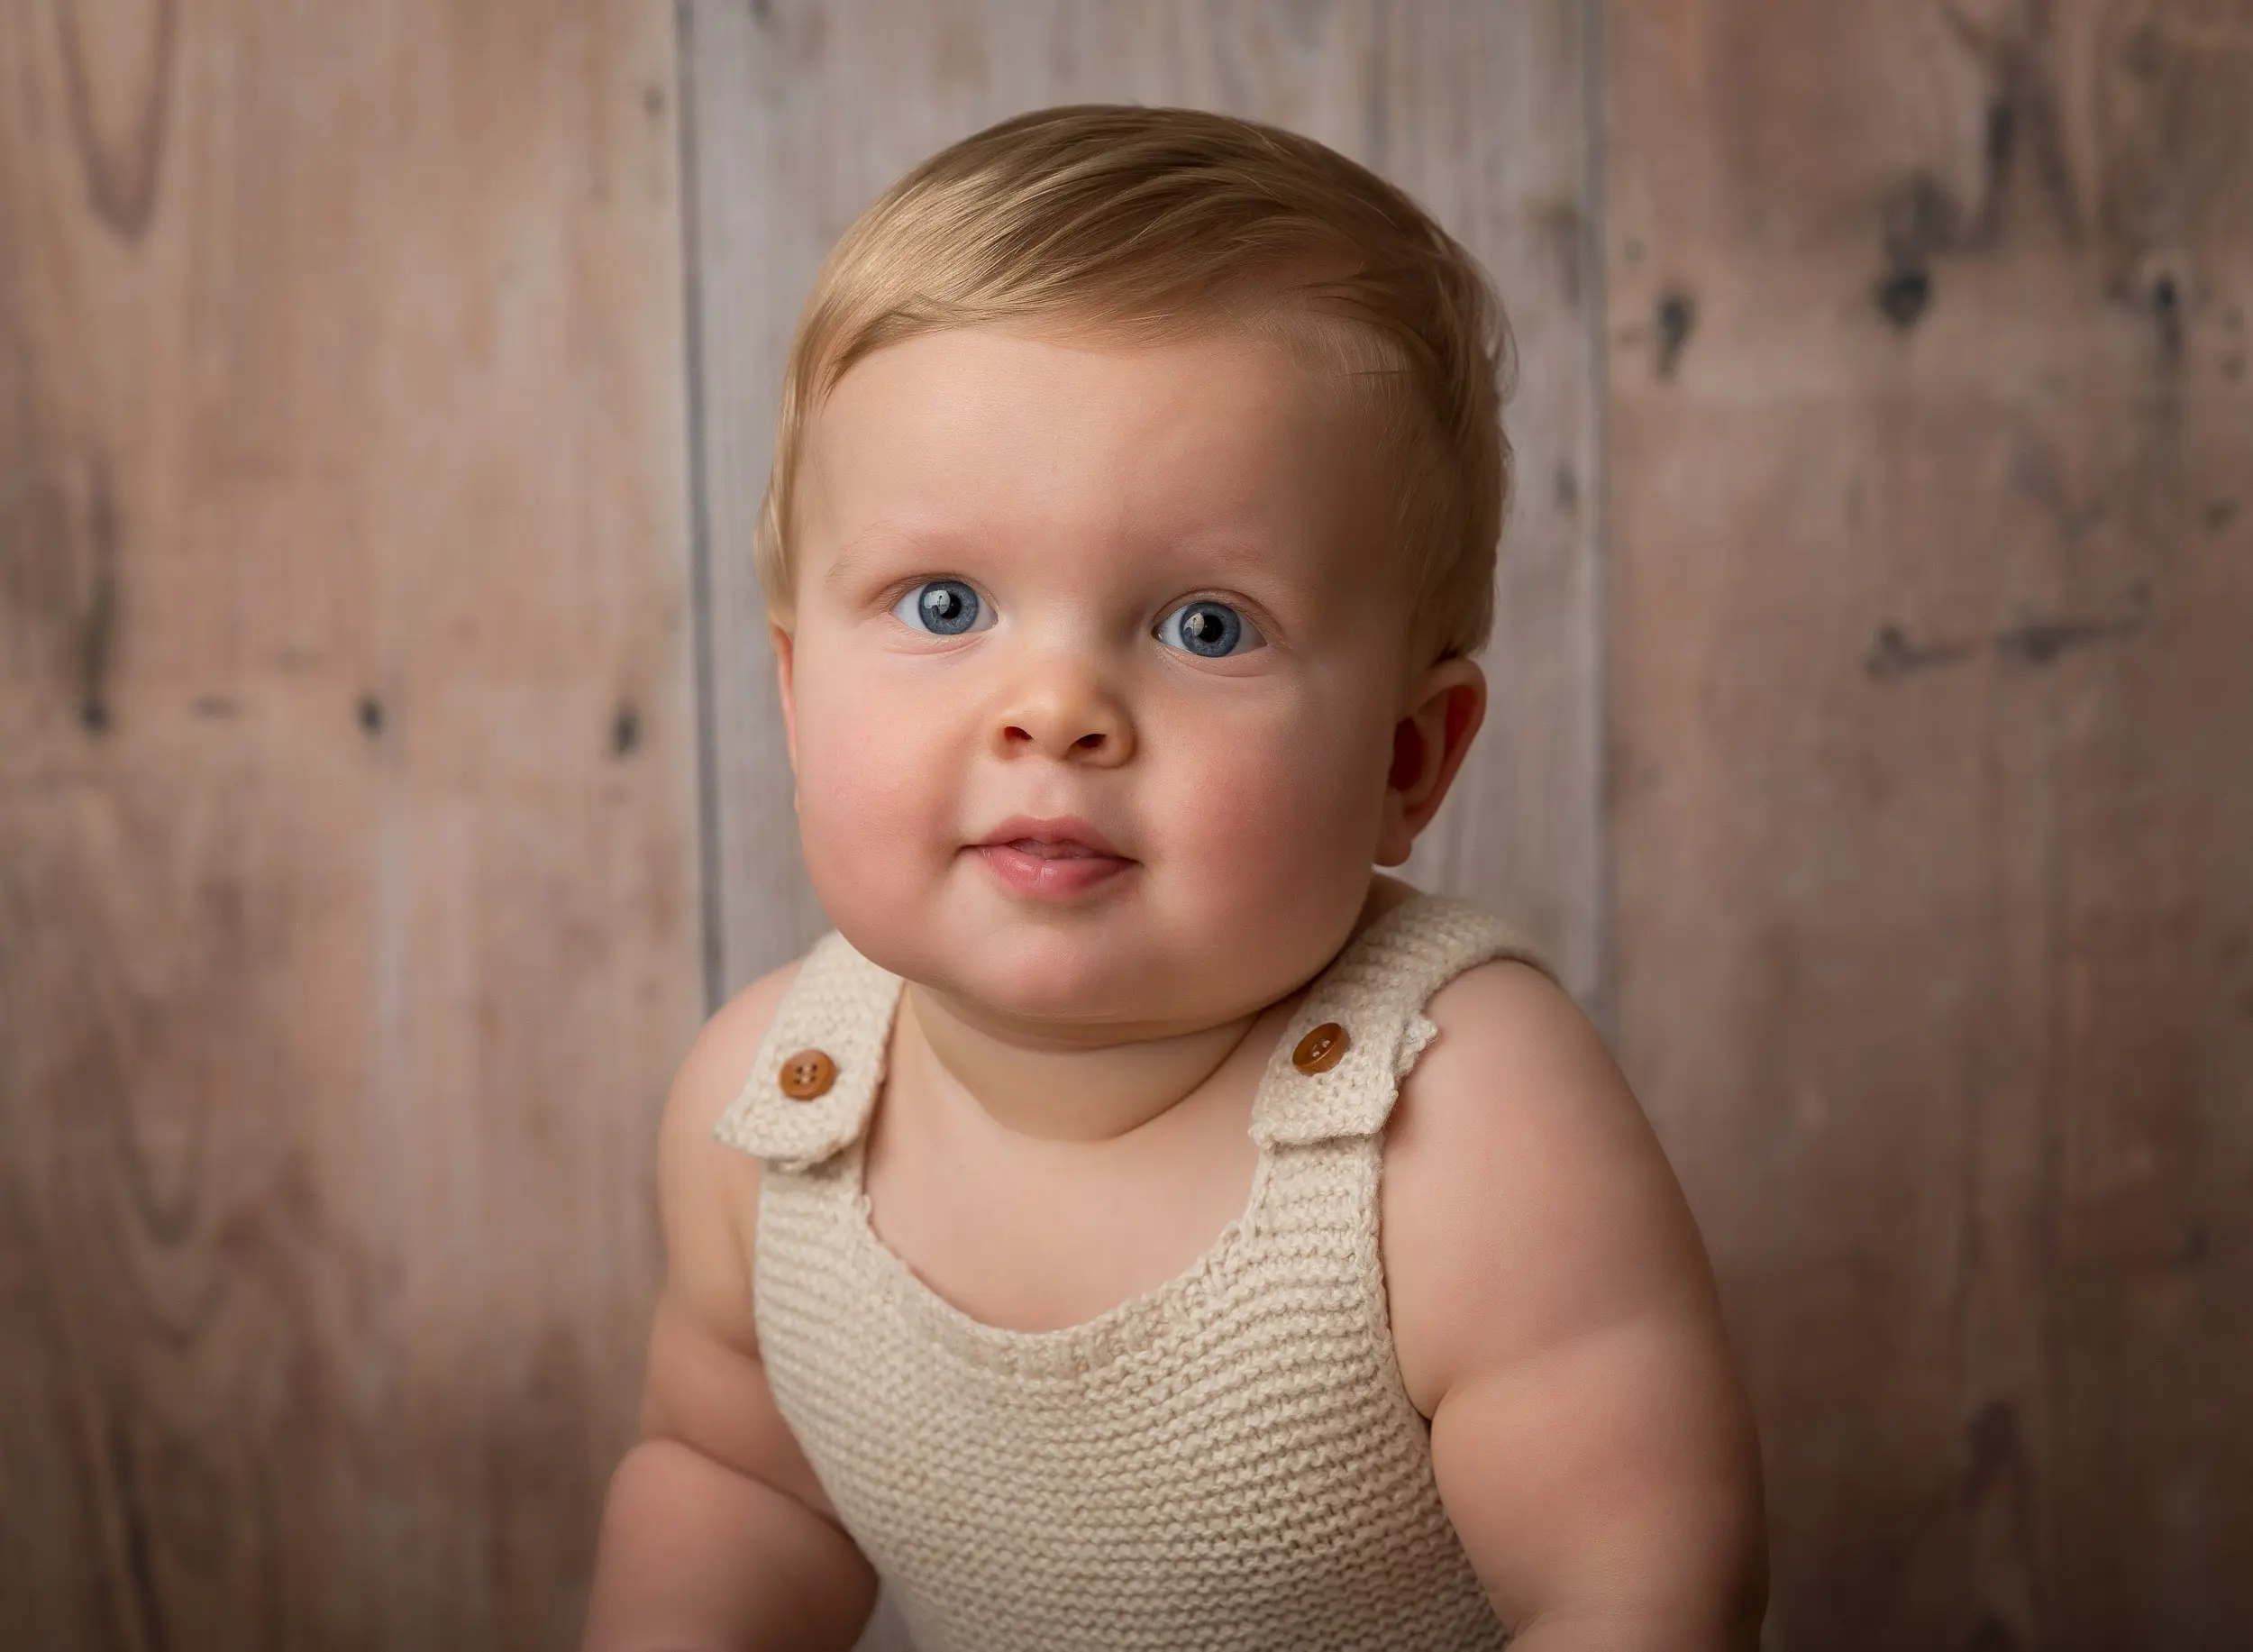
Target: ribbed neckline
pixel 1065 1353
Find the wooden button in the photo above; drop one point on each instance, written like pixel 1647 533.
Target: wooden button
pixel 1321 1049
pixel 807 1074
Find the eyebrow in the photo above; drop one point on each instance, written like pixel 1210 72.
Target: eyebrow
pixel 880 538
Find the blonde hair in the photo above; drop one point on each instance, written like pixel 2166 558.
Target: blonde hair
pixel 1164 221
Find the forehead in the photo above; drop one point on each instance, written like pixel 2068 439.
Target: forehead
pixel 990 429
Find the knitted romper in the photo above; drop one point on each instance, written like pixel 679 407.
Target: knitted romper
pixel 1226 1461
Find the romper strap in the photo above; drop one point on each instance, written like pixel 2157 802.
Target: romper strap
pixel 838 1006
pixel 1376 989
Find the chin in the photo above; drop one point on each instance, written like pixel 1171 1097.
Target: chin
pixel 1043 971
pixel 1120 962
pixel 1041 981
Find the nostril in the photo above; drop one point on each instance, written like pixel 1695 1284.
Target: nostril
pixel 1100 742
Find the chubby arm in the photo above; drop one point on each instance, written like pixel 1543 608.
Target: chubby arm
pixel 1556 1318
pixel 716 1535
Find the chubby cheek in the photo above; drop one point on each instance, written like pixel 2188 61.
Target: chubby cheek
pixel 1275 827
pixel 875 796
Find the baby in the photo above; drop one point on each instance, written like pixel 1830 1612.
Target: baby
pixel 1140 1225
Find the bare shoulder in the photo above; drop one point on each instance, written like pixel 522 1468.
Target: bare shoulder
pixel 1522 1177
pixel 1555 1316
pixel 707 1385
pixel 712 1074
pixel 707 1191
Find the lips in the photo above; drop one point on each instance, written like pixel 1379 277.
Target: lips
pixel 1053 857
pixel 1061 835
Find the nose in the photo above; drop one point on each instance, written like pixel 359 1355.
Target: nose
pixel 1062 710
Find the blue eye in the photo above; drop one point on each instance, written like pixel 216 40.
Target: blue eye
pixel 1212 629
pixel 943 608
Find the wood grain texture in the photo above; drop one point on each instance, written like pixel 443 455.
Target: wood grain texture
pixel 348 879
pixel 1931 588
pixel 803 111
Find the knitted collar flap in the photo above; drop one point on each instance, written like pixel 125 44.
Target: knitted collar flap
pixel 842 1005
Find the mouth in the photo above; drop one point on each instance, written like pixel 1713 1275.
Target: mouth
pixel 1051 858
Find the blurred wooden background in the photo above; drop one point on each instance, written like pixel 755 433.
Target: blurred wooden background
pixel 388 778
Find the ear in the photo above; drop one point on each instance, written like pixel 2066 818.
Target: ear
pixel 1445 709
pixel 781 642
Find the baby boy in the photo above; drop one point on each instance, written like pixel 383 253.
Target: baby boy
pixel 1139 1223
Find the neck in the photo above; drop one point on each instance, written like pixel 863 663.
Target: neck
pixel 1054 1091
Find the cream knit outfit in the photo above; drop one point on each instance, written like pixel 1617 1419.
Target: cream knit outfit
pixel 1226 1461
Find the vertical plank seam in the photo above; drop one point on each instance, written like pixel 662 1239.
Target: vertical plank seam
pixel 686 108
pixel 1595 182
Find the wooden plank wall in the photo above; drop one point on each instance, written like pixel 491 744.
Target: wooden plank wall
pixel 1930 650
pixel 1870 738
pixel 349 901
pixel 803 111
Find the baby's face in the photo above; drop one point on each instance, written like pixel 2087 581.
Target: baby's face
pixel 1096 660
